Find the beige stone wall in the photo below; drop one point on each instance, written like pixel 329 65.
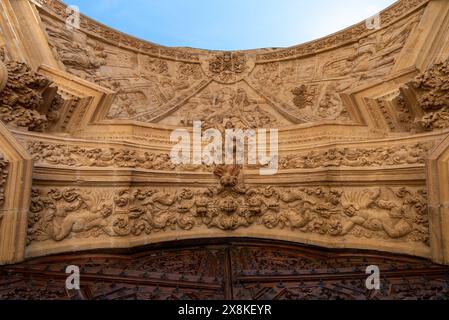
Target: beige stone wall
pixel 360 113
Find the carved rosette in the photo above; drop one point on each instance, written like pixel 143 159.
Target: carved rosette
pixel 228 67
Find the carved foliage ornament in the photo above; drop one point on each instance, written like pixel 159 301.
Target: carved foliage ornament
pixel 432 90
pixel 22 99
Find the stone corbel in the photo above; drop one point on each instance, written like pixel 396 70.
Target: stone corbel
pixel 16 169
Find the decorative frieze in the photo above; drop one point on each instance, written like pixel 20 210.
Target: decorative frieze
pixel 394 155
pixel 370 213
pixel 82 156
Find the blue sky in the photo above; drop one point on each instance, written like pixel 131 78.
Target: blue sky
pixel 229 24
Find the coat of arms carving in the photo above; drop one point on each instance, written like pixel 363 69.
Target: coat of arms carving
pixel 229 67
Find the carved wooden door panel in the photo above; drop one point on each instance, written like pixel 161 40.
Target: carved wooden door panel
pixel 232 269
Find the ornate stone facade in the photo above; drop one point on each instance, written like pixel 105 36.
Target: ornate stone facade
pixel 90 112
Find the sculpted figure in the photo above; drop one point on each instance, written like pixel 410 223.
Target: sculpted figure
pixel 368 210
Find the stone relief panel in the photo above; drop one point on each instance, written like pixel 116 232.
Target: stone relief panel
pixel 308 89
pixel 71 155
pixel 314 84
pixel 238 90
pixel 142 82
pixel 411 154
pixel 343 37
pixel 372 56
pixel 227 106
pixel 79 54
pixel 309 100
pixel 387 213
pixel 81 156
